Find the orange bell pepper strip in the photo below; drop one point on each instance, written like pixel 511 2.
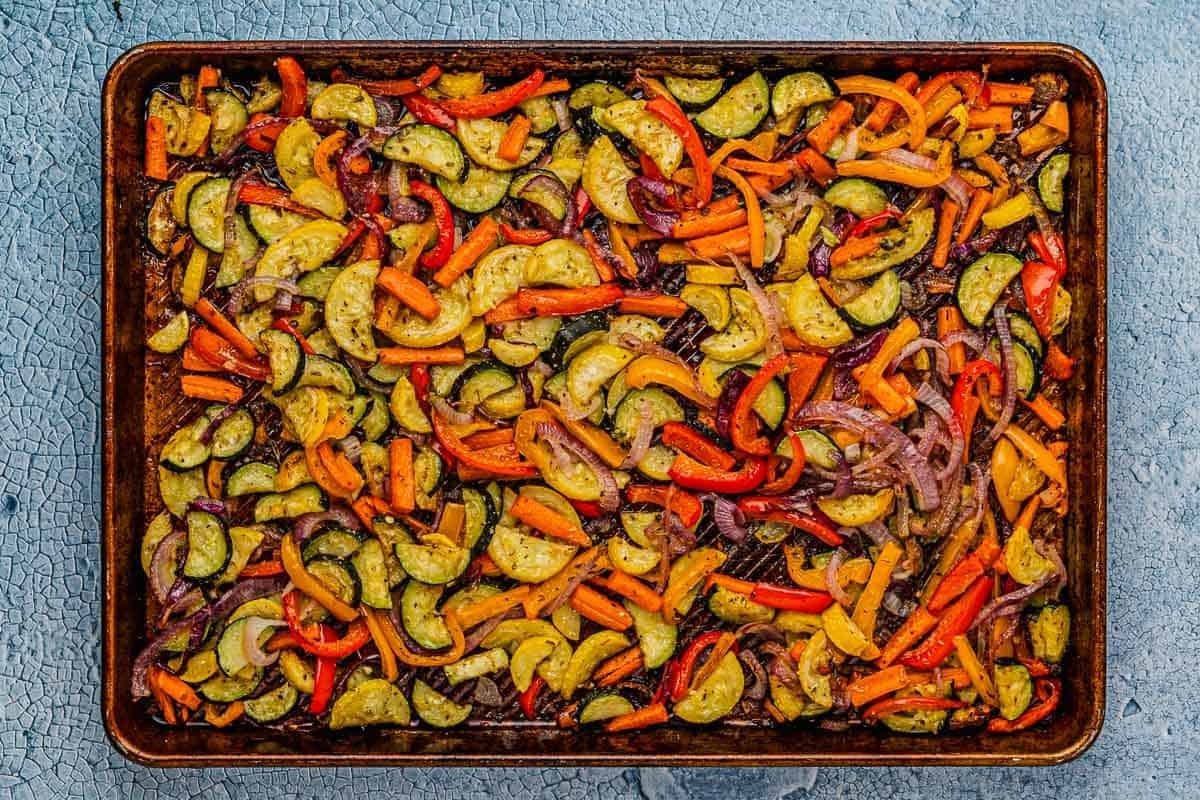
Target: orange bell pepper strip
pixel 879 169
pixel 221 324
pixel 386 656
pixel 568 302
pixel 472 614
pixel 964 574
pixel 866 608
pixel 554 86
pixel 367 507
pixel 806 370
pixel 263 569
pixel 630 587
pixel 697 570
pixel 478 241
pixel 866 84
pixel 458 643
pixel 156 149
pixel 340 469
pixel 678 121
pixel 514 138
pixel 708 221
pixel 945 234
pixel 548 521
pixel 778 169
pixel 599 259
pixel 513 468
pixel 258 194
pixel 1036 452
pixel 160 697
pixel 719 246
pixel 971 84
pixel 599 609
pixel 654 714
pixel 293 564
pixel 409 290
pixel 174 688
pixel 647 370
pixel 207 387
pixel 595 438
pixel 955 620
pixel 418 355
pixel 1058 365
pixel 683 504
pixel 401 479
pixel 741 432
pixel 755 226
pixel 491 104
pixel 791 475
pixel 223 719
pixel 918 623
pixel 1050 416
pixel 619 667
pixel 690 441
pixel 294 85
pixel 871 687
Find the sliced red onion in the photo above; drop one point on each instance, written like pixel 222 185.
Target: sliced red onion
pixel 208 505
pixel 237 295
pixel 756 690
pixel 765 631
pixel 972 339
pixel 995 607
pixel 222 415
pixel 909 159
pixel 610 494
pixel 940 357
pixel 734 385
pixel 926 396
pixel 878 533
pixel 450 413
pixel 562 113
pixel 1009 369
pixel 785 673
pixel 252 630
pixel 850 148
pixel 229 226
pixel 898 606
pixel 766 308
pixel 165 563
pixel 1045 226
pixel 351 447
pixel 859 351
pixel 552 185
pixel 283 302
pixel 487 693
pixel 831 578
pixel 641 438
pixel 881 433
pixel 307 524
pixel 878 459
pixel 818 260
pixel 181 598
pixel 481 631
pixel 976 247
pixel 658 221
pixel 238 140
pixel 363 379
pixel 1050 553
pixel 843 485
pixel 729 519
pixel 357 189
pixel 582 575
pixel 958 190
pixel 902 513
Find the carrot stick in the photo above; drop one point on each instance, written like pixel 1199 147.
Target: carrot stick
pixel 599 609
pixel 177 690
pixel 514 138
pixel 630 587
pixel 919 623
pixel 478 242
pixel 340 468
pixel 418 355
pixel 207 387
pixel 980 200
pixel 549 590
pixel 506 311
pixel 483 565
pixel 998 117
pixel 759 167
pixel 728 582
pixel 471 615
pixel 156 148
pixel 222 719
pixel 654 714
pixel 949 320
pixel 548 521
pixel 192 361
pixel 877 684
pixel 825 131
pixel 552 87
pixel 619 667
pixel 486 439
pixel 1011 94
pixel 160 697
pixel 323 157
pixel 941 250
pixel 410 290
pixel 213 316
pixel 599 260
pixel 855 247
pixel 1046 412
pixel 661 306
pixel 720 245
pixel 367 507
pixel 885 109
pixel 706 221
pixel 402 495
pixel 754 216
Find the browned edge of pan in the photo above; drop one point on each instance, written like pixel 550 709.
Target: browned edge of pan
pixel 139 738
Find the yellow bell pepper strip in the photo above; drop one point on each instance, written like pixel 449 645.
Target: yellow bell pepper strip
pixel 1005 461
pixel 761 146
pixel 698 568
pixel 881 170
pixel 492 103
pixel 479 460
pixel 595 438
pixel 386 656
pixel 742 432
pixel 871 687
pixel 866 84
pixel 975 669
pixel 956 545
pixel 870 374
pixel 646 370
pixel 754 215
pixel 1036 452
pixel 678 121
pixel 971 84
pixel 1049 691
pixel 458 642
pixel 289 554
pixel 867 607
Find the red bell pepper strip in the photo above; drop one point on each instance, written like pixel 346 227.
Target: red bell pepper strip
pixel 666 682
pixel 588 508
pixel 258 194
pixel 263 569
pixel 568 302
pixel 973 371
pixel 529 236
pixel 219 352
pixel 418 375
pixel 955 620
pixel 1040 283
pixel 682 679
pixel 428 111
pixel 315 640
pixel 295 87
pixel 490 104
pixel 443 217
pixel 583 204
pixel 778 509
pixel 355 229
pixel 786 598
pixel 678 121
pixel 287 326
pixel 683 504
pixel 742 432
pixel 689 473
pixel 868 224
pixel 529 697
pixel 964 573
pixel 323 680
pixel 790 475
pixel 1049 692
pixel 263 130
pixel 455 447
pixel 695 444
pixel 895 705
pixel 1049 251
pixel 395 87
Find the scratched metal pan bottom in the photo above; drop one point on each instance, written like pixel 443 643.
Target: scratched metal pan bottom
pixel 139 409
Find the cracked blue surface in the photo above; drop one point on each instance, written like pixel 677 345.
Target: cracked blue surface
pixel 54 56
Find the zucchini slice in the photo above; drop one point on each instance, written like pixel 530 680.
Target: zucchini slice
pixel 245 541
pixel 527 558
pixel 229 117
pixel 271 223
pixel 716 696
pixel 859 196
pixel 897 247
pixel 274 705
pixel 413 330
pixel 693 91
pixel 739 111
pixel 656 636
pixel 877 306
pixel 745 334
pixel 801 90
pixel 605 176
pixel 476 666
pixel 433 563
pixel 372 571
pixel 372 702
pixel 435 708
pixel 324 372
pixel 603 705
pixel 209 547
pixel 338 576
pixel 1028 367
pixel 1014 687
pixel 561 262
pixel 528 656
pixel 345 102
pixel 856 510
pixel 481 139
pixel 172 336
pixel 302 249
pixel 982 283
pixel 648 133
pixel 663 409
pixel 206 213
pixel 235 260
pixel 294 151
pixel 480 190
pixel 595 94
pixel 420 616
pixel 589 655
pixel 336 542
pixel 160 224
pixel 498 276
pixel 593 368
pixel 812 317
pixel 428 147
pixel 184 450
pixel 177 489
pixel 350 310
pixel 231 654
pixel 540 112
pixel 234 436
pixel 738 609
pixel 1051 179
pixel 181 193
pixel 1024 332
pixel 159 528
pixel 285 357
pixel 481 519
pixel 306 499
pixel 222 688
pixel 566 158
pixel 818 448
pixel 628 557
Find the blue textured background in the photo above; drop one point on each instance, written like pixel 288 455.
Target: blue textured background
pixel 54 56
